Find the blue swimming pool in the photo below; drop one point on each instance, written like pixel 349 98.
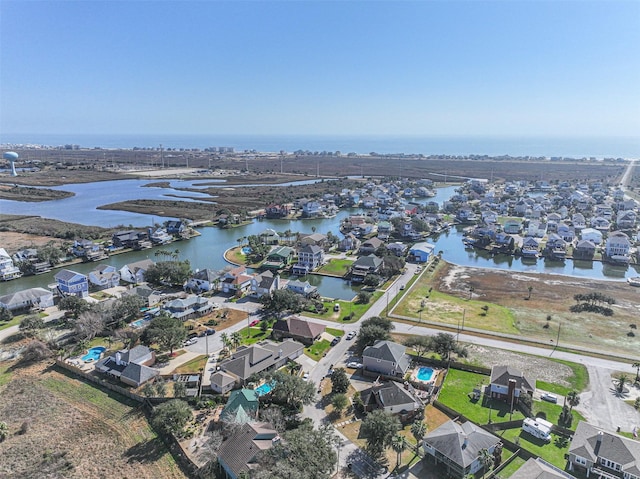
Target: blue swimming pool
pixel 94 354
pixel 246 250
pixel 425 374
pixel 264 389
pixel 139 323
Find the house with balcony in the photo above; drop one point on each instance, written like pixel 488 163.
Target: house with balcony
pixel 584 249
pixel 530 247
pixel 509 384
pixel 203 280
pixel 617 247
pixel 512 226
pixel 264 284
pixel 604 455
pixel 455 448
pixel 104 276
pixel 370 246
pixel 278 258
pixel 311 209
pixel 310 257
pixel 236 281
pixel 350 242
pixel 556 247
pixel 8 270
pixel 71 283
pixel 566 232
pixel 626 219
pixel 592 234
pixel 176 227
pixel 190 307
pixel 135 272
pixel 26 299
pixel 363 266
pixel 303 288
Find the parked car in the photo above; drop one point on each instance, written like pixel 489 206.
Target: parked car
pixel 190 341
pixel 351 335
pixel 549 398
pixel 306 376
pixel 354 365
pixel 254 322
pixel 208 332
pixel 401 287
pixel 335 341
pixel 336 307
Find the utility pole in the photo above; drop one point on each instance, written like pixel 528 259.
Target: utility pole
pixel 161 156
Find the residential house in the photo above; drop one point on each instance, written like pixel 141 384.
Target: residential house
pixel 221 382
pixel 617 247
pixel 302 287
pixel 578 221
pixel 603 454
pixel 278 258
pixel 540 469
pixel 135 272
pixel 556 247
pixel 151 297
pixel 8 270
pixel 71 283
pixel 584 249
pixel 242 407
pixel 370 246
pixel 190 307
pixel 394 398
pixel 262 356
pixel 310 257
pixel 530 247
pixel 592 234
pixel 349 243
pixel 456 448
pixel 385 229
pixel 236 281
pixel 131 239
pixel 26 299
pixel 385 358
pixel 88 250
pixel 311 209
pixel 264 284
pixel 277 211
pixel 512 226
pixel 552 222
pixel 566 232
pixel 24 255
pixel 600 223
pixel 536 228
pixel 130 366
pixel 203 280
pixel 398 249
pixel 159 236
pixel 421 252
pixel 104 276
pixel 508 384
pixel 301 330
pixel 175 227
pixel 363 266
pixel 270 237
pixel 626 219
pixel 238 455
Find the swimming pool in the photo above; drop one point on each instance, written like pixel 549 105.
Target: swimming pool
pixel 264 389
pixel 93 354
pixel 246 250
pixel 425 374
pixel 139 323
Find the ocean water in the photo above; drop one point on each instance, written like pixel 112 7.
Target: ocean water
pixel 578 147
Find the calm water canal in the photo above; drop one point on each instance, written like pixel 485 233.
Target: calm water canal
pixel 206 251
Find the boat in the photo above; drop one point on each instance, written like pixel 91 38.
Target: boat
pixel 634 281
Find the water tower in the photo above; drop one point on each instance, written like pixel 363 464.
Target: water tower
pixel 11 157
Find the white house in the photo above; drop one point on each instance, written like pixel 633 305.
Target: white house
pixel 617 247
pixel 592 234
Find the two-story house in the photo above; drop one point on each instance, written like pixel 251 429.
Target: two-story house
pixel 104 276
pixel 8 270
pixel 509 383
pixel 72 283
pixel 617 247
pixel 385 358
pixel 310 257
pixel 135 272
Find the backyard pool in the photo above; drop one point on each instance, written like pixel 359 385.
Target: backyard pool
pixel 93 354
pixel 425 374
pixel 264 389
pixel 139 323
pixel 246 250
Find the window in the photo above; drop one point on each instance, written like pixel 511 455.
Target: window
pixel 610 464
pixel 580 460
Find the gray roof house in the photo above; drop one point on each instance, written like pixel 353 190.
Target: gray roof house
pixel 27 299
pixel 392 397
pixel 363 266
pixel 505 379
pixel 604 454
pixel 540 469
pixel 237 455
pixel 222 382
pixel 130 365
pixel 456 447
pixel 385 358
pixel 248 360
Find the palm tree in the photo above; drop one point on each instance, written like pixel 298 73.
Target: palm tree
pixel 530 288
pixel 637 366
pixel 471 290
pixel 418 430
pixel 399 445
pixel 236 339
pixel 4 431
pixel 224 337
pixel 621 380
pixel 573 399
pixel 486 459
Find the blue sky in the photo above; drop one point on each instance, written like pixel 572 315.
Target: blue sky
pixel 568 68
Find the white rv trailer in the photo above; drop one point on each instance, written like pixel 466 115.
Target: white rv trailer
pixel 538 427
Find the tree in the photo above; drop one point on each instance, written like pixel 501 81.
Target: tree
pixel 363 297
pixel 471 290
pixel 282 300
pixel 168 332
pixel 236 339
pixel 30 324
pixel 127 307
pixel 371 280
pixel 637 366
pixel 89 324
pixel 573 399
pixel 304 453
pixel 339 381
pixel 292 391
pixel 5 315
pixel 566 418
pixel 372 330
pixel 486 459
pixel 179 389
pixel 4 431
pixel 378 428
pixel 621 380
pixel 74 305
pixel 171 417
pixel 418 431
pixel 420 344
pixel 530 289
pixel 399 445
pixel 35 351
pixel 339 402
pixel 172 273
pixel 226 341
pixel 444 344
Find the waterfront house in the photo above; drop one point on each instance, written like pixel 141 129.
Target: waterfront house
pixel 302 287
pixel 88 250
pixel 603 454
pixel 556 247
pixel 363 266
pixel 310 257
pixel 203 280
pixel 190 307
pixel 131 239
pixel 239 453
pixel 263 356
pixel 26 299
pixel 175 227
pixel 130 366
pixel 508 384
pixel 370 246
pixel 315 239
pixel 456 448
pixel 104 276
pixel 280 257
pixel 160 236
pixel 29 255
pixel 264 284
pixel 8 270
pixel 592 234
pixel 530 247
pixel 269 237
pixel 421 252
pixel 135 272
pixel 277 211
pixel 394 398
pixel 349 243
pixel 617 247
pixel 584 249
pixel 385 358
pixel 311 209
pixel 626 219
pixel 301 330
pixel 72 283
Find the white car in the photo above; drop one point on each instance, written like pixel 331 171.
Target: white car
pixel 306 376
pixel 191 341
pixel 351 335
pixel 354 365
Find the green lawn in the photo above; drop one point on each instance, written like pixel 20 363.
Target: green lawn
pixel 552 412
pixel 336 267
pixel 253 334
pixel 13 322
pixel 317 350
pixel 196 365
pixel 510 468
pixel 335 332
pixel 550 452
pixel 346 307
pixel 5 376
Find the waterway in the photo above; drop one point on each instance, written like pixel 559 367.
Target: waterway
pixel 206 250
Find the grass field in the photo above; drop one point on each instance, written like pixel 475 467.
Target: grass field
pixel 510 468
pixel 196 365
pixel 336 267
pixel 550 451
pixel 317 350
pixel 346 308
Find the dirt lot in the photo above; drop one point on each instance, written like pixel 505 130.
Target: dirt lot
pixel 74 430
pixel 551 295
